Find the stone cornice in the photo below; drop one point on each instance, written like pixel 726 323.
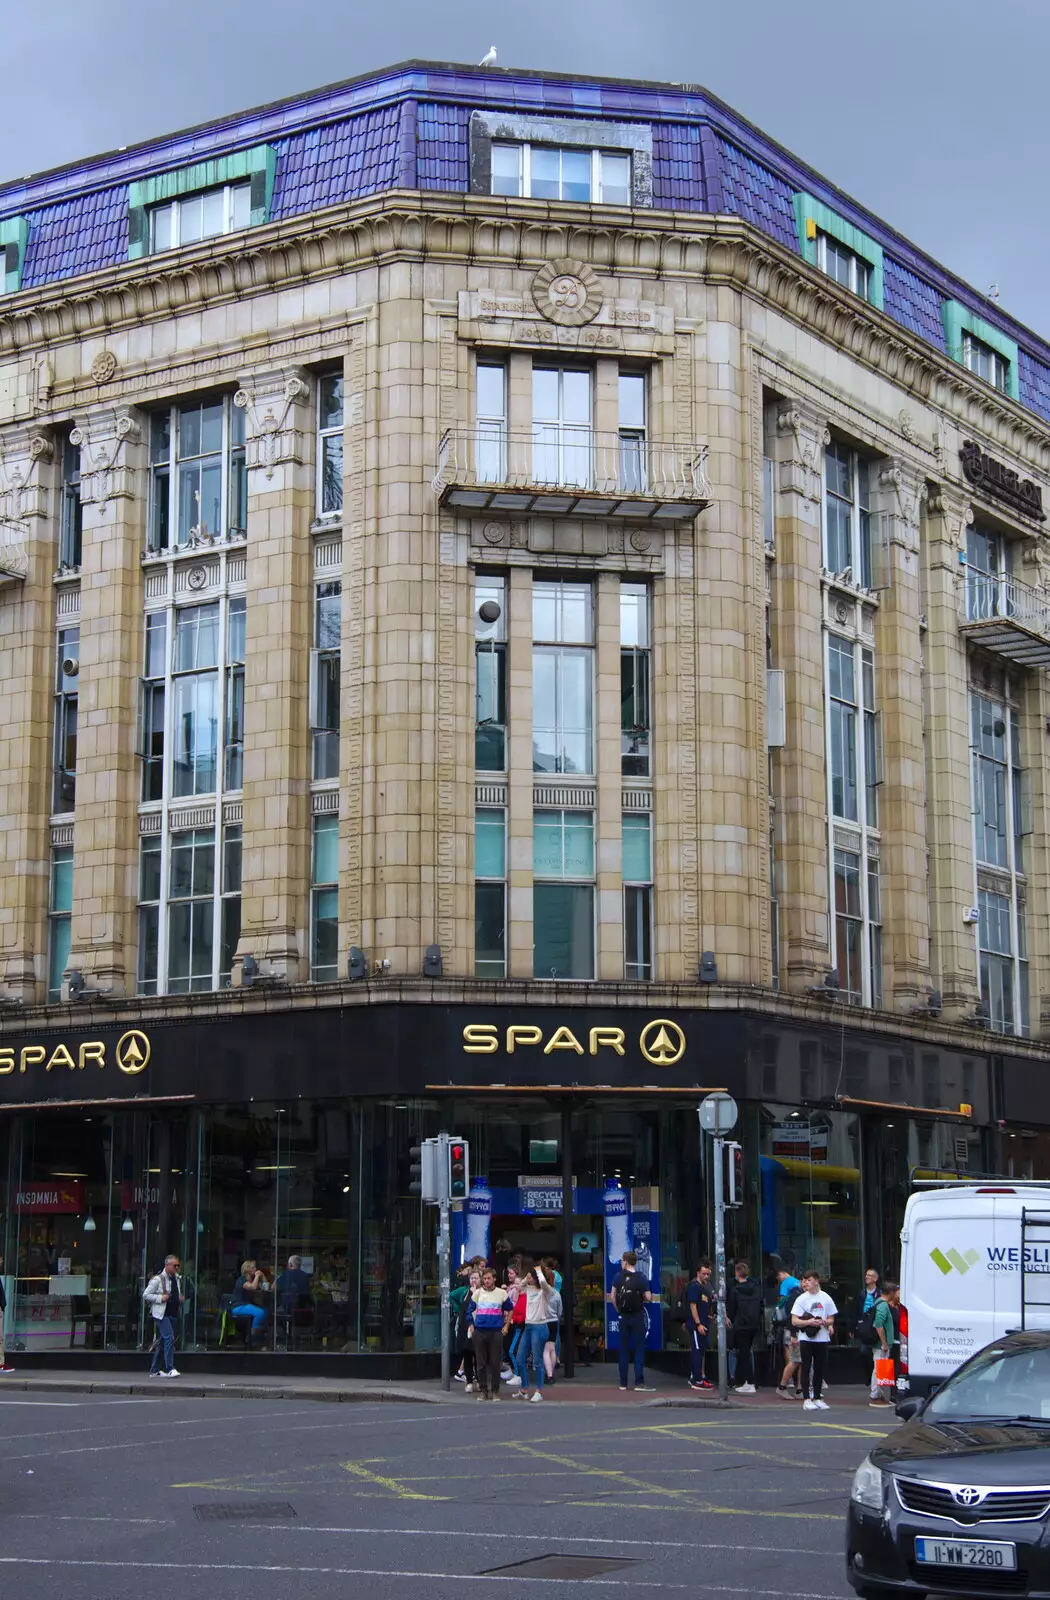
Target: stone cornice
pixel 408 224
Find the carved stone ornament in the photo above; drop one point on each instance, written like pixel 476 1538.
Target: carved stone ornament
pixel 568 292
pixel 101 438
pixel 104 366
pixel 269 437
pixel 197 578
pixel 906 423
pixel 22 496
pixel 495 532
pixel 641 541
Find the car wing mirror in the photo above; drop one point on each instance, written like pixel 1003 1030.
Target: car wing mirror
pixel 906 1409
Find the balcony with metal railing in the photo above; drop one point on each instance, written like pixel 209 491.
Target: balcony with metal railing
pixel 1007 616
pixel 572 471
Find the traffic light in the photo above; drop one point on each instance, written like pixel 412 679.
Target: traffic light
pixel 458 1169
pixel 734 1157
pixel 424 1170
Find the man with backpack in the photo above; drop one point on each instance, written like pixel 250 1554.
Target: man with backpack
pixel 789 1290
pixel 744 1315
pixel 628 1296
pixel 864 1325
pixel 700 1304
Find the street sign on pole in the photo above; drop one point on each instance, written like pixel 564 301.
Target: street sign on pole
pixel 718 1113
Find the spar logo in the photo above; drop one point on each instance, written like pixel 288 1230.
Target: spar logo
pixel 947 1260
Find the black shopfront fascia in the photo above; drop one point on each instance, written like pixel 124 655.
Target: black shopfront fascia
pixel 407 1048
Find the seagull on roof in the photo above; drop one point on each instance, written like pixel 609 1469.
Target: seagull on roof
pixel 490 59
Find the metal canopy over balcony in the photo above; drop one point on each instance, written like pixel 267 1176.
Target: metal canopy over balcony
pixel 567 471
pixel 1001 614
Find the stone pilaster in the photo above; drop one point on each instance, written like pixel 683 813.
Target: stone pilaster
pixel 112 482
pixel 28 507
pixel 950 818
pixel 898 492
pixel 519 769
pixel 281 494
pixel 608 836
pixel 798 647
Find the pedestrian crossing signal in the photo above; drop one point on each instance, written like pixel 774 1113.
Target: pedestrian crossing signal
pixel 734 1173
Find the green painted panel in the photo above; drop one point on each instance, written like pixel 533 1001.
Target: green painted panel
pixel 958 320
pixel 258 165
pixel 811 211
pixel 14 236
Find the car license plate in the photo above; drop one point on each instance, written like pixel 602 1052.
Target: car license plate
pixel 966 1553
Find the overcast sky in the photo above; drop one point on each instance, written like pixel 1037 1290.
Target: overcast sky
pixel 935 114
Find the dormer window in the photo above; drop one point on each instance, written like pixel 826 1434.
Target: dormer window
pixel 542 172
pixel 201 216
pixel 844 265
pixel 986 363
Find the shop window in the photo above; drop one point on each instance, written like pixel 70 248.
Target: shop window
pixel 200 216
pixel 67 668
pixel 858 928
pixel 637 895
pixel 847 516
pixel 490 892
pixel 562 436
pixel 635 681
pixel 195 693
pixel 1003 962
pixel 980 347
pixel 552 173
pixel 491 422
pixel 844 265
pixel 203 201
pixel 840 249
pixel 324 901
pixel 330 445
pixel 490 676
pixel 191 912
pixel 71 533
pixel 1001 797
pixel 843 717
pixel 984 362
pixel 562 678
pixel 60 918
pixel 198 476
pixel 326 678
pixel 563 894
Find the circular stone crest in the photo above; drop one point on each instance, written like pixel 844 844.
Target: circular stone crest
pixel 568 292
pixel 494 532
pixel 104 366
pixel 197 578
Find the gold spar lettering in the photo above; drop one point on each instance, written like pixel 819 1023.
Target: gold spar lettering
pixel 480 1039
pixel 94 1052
pixel 612 1038
pixel 523 1035
pixel 60 1057
pixel 563 1039
pixel 7 1061
pixel 32 1055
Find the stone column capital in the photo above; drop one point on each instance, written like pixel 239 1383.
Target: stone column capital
pixel 276 417
pixel 24 452
pixel 802 433
pixel 952 508
pixel 105 439
pixel 897 491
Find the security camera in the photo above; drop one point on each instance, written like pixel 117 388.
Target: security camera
pixel 70 666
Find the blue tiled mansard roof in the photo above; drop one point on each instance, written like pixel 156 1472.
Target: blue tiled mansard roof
pixel 408 127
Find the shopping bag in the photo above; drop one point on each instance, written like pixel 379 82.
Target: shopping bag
pixel 884 1369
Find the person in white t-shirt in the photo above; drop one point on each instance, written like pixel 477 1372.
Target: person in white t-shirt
pixel 813 1314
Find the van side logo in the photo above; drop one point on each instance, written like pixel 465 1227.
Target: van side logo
pixel 945 1260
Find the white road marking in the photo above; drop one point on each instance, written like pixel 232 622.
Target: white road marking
pixel 381 1572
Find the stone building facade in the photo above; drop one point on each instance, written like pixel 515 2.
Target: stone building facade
pixel 520 603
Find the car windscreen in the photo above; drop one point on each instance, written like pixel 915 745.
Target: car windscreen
pixel 998 1382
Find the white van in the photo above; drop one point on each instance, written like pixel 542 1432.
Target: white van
pixel 975 1263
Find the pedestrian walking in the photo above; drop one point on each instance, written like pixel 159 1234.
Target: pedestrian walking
pixel 512 1289
pixel 701 1309
pixel 491 1311
pixel 887 1324
pixel 744 1313
pixel 163 1295
pixel 629 1295
pixel 786 1336
pixel 517 1326
pixel 864 1323
pixel 4 1368
pixel 462 1331
pixel 813 1314
pixel 534 1332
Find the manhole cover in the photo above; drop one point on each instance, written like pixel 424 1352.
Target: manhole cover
pixel 256 1511
pixel 555 1566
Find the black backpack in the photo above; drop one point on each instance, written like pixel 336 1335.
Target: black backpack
pixel 783 1308
pixel 747 1304
pixel 630 1296
pixel 866 1334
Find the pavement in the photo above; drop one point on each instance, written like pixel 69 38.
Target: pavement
pixel 594 1385
pixel 112 1496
